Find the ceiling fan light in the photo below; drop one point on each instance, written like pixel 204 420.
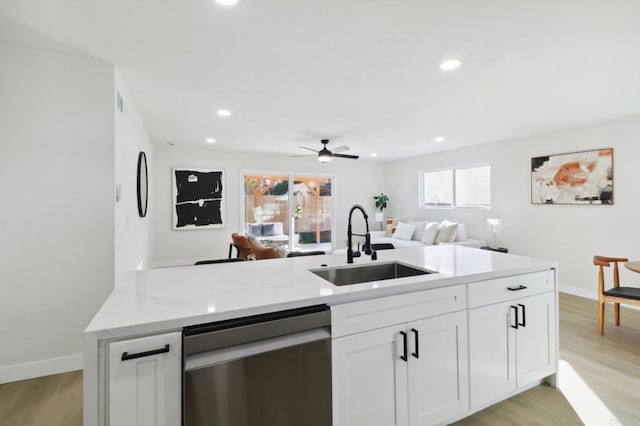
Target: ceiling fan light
pixel 324 156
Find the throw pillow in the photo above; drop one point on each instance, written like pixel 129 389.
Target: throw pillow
pixel 430 233
pixel 447 232
pixel 404 231
pixel 419 232
pixel 461 235
pixel 268 230
pixel 277 228
pixel 254 229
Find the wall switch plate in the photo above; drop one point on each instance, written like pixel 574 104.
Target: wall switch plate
pixel 119 102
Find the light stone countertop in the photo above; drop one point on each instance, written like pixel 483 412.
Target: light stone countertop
pixel 167 299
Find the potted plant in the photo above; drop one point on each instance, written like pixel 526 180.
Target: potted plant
pixel 297 215
pixel 381 203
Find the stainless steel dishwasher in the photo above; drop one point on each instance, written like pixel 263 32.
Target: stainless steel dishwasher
pixel 265 370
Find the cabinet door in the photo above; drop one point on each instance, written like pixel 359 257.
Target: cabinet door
pixel 536 340
pixel 146 390
pixel 438 377
pixel 370 379
pixel 492 353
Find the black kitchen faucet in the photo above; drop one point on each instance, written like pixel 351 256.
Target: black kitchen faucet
pixel 367 244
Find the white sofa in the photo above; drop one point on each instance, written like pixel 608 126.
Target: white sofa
pixel 461 238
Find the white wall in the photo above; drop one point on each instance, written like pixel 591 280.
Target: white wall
pixel 56 237
pixel 132 233
pixel 569 234
pixel 355 182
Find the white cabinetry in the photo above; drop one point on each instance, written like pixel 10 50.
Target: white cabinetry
pixel 369 379
pixel 438 378
pixel 145 381
pixel 410 373
pixel 512 343
pixel 536 340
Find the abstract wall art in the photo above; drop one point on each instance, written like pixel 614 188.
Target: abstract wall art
pixel 584 177
pixel 198 198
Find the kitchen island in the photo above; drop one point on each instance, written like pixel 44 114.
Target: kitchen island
pixel 478 298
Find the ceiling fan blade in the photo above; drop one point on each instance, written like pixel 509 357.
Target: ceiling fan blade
pixel 351 157
pixel 341 148
pixel 306 155
pixel 308 149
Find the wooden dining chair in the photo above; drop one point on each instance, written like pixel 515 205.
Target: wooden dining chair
pixel 616 294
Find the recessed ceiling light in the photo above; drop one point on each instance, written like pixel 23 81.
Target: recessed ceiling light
pixel 210 140
pixel 224 112
pixel 450 65
pixel 374 154
pixel 439 139
pixel 227 2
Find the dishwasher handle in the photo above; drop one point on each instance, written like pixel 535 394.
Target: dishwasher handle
pixel 206 359
pixel 209 337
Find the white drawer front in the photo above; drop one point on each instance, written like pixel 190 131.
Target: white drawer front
pixel 371 314
pixel 502 289
pixel 146 390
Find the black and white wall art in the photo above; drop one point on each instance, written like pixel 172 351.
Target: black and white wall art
pixel 198 198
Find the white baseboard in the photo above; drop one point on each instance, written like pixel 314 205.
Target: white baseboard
pixel 45 367
pixel 579 291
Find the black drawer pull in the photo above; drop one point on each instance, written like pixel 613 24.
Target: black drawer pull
pixel 520 287
pixel 515 308
pixel 524 315
pixel 404 357
pixel 416 335
pixel 126 356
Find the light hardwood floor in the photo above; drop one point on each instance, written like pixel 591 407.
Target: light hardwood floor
pixel 600 382
pixel 46 401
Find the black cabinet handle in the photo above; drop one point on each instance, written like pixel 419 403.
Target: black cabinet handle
pixel 404 357
pixel 416 336
pixel 126 356
pixel 515 308
pixel 520 287
pixel 524 318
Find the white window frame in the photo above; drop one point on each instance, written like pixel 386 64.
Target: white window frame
pixel 421 200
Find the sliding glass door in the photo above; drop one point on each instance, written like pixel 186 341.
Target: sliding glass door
pixel 290 210
pixel 313 212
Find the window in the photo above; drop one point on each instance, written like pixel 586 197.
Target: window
pixel 438 188
pixel 462 187
pixel 473 187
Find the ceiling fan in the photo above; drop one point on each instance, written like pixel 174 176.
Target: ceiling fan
pixel 324 155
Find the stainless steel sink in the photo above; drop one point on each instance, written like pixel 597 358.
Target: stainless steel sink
pixel 348 275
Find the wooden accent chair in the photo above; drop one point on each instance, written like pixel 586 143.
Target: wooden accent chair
pixel 617 294
pixel 247 250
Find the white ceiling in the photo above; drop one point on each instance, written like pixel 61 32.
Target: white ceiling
pixel 291 70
